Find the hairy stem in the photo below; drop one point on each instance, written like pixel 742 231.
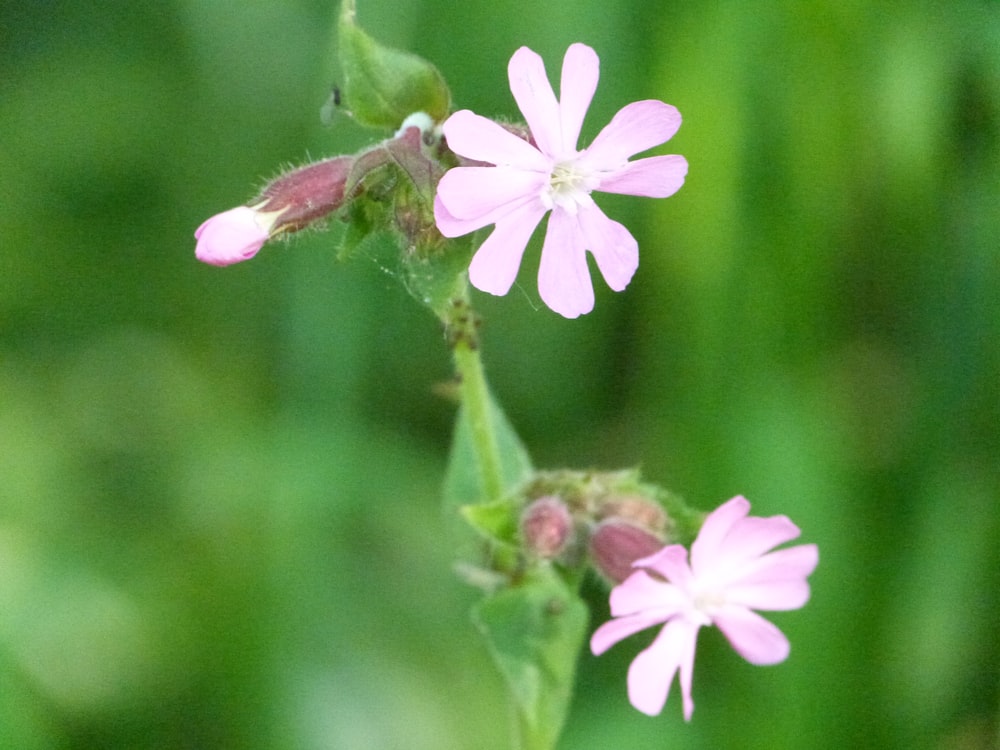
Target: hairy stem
pixel 479 412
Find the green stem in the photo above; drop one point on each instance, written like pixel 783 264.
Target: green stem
pixel 528 737
pixel 479 411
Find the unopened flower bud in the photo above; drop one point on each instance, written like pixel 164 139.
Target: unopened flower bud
pixel 641 511
pixel 616 544
pixel 287 204
pixel 546 527
pixel 306 194
pixel 232 236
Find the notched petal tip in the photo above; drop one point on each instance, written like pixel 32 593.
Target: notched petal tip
pixel 533 93
pixel 635 128
pixel 481 139
pixel 495 265
pixel 652 177
pixel 563 276
pixel 580 73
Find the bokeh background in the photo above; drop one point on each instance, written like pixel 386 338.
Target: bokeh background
pixel 219 488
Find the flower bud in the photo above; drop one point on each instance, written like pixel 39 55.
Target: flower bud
pixel 641 511
pixel 306 194
pixel 232 236
pixel 546 527
pixel 616 544
pixel 287 204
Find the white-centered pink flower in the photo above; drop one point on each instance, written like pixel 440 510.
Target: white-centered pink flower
pixel 528 180
pixel 732 572
pixel 233 235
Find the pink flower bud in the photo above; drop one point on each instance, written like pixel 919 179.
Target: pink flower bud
pixel 615 545
pixel 547 526
pixel 293 201
pixel 308 193
pixel 643 512
pixel 232 236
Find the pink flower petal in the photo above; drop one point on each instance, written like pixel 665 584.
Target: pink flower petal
pixel 495 264
pixel 776 581
pixel 714 531
pixel 563 277
pixel 448 225
pixel 754 638
pixel 652 670
pixel 653 177
pixel 580 72
pixel 476 137
pixel 536 100
pixel 619 629
pixel 774 596
pixel 232 236
pixel 484 195
pixel 671 563
pixel 640 591
pixel 636 127
pixel 614 248
pixel 745 542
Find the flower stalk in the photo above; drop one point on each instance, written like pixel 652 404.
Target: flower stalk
pixel 475 399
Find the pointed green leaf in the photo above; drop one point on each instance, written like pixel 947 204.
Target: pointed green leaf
pixel 382 85
pixel 464 479
pixel 495 521
pixel 534 633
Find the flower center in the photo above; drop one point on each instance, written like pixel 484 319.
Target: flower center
pixel 569 186
pixel 709 601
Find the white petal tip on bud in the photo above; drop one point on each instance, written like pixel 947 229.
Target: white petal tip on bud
pixel 420 120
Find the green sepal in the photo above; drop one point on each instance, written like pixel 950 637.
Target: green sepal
pixel 435 276
pixel 392 187
pixel 382 85
pixel 496 521
pixel 534 632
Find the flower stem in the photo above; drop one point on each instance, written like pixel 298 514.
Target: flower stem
pixel 478 407
pixel 527 737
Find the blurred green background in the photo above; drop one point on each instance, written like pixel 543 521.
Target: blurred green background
pixel 219 489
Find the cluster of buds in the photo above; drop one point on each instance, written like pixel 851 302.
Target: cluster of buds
pixel 612 525
pixel 629 528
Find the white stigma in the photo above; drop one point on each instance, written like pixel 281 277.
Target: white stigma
pixel 709 602
pixel 569 186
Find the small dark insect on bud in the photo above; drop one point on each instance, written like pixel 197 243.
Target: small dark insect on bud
pixel 329 109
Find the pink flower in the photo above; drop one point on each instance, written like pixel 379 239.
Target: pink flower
pixel 232 236
pixel 530 179
pixel 732 573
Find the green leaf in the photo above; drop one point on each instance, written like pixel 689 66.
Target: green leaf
pixel 437 278
pixel 534 633
pixel 496 521
pixel 464 482
pixel 382 85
